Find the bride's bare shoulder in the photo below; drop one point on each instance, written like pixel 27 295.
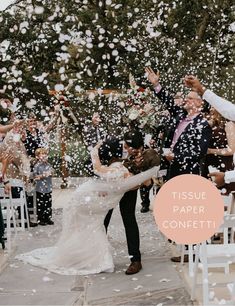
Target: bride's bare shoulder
pixel 118 166
pixel 115 170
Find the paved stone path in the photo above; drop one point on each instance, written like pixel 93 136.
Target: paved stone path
pixel 157 284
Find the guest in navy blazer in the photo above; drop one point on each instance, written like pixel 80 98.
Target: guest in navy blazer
pixel 188 134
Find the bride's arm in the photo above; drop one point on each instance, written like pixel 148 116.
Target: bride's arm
pixel 135 181
pixel 5 128
pixel 97 166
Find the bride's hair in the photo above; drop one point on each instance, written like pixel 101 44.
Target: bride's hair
pixel 110 151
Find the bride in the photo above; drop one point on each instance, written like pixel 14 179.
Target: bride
pixel 83 247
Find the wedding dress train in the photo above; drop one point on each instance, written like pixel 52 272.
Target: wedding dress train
pixel 83 247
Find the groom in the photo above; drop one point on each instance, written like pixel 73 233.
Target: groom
pixel 138 160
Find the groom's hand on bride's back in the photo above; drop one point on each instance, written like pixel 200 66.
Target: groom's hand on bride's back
pixel 126 175
pixel 138 159
pixel 147 183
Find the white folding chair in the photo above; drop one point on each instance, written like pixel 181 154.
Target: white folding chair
pixel 33 210
pixel 31 198
pixel 231 290
pixel 8 213
pixel 214 255
pixel 229 202
pixel 231 210
pixel 190 253
pixel 20 202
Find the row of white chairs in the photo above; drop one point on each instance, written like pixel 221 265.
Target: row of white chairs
pixel 229 204
pixel 214 256
pixel 15 212
pixel 207 255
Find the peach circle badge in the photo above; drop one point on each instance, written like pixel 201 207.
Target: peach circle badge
pixel 188 209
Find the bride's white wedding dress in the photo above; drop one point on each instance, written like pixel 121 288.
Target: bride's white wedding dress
pixel 83 247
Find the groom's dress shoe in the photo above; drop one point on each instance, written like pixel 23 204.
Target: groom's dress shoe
pixel 134 268
pixel 50 222
pixel 32 224
pixel 42 223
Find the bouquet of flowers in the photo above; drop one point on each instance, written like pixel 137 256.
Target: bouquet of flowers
pixel 143 109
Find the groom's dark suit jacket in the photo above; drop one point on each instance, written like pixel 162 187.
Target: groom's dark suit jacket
pixel 192 144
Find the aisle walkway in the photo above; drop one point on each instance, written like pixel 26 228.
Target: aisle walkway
pixel 157 284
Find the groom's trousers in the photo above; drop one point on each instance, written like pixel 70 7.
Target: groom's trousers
pixel 127 208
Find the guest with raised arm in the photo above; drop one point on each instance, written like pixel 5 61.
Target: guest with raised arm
pixel 93 132
pixel 34 135
pixel 223 106
pixel 11 144
pixel 226 109
pixel 188 134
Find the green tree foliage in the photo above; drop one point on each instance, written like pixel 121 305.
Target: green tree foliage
pixel 85 44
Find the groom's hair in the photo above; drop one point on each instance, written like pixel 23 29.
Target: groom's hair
pixel 110 151
pixel 134 139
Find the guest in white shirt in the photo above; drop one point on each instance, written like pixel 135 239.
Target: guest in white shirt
pixel 223 106
pixel 226 109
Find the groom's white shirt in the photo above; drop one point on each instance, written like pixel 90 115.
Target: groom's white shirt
pixel 224 107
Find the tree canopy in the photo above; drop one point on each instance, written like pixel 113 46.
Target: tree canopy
pixel 88 44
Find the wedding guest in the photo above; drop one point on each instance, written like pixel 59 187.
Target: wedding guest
pixel 149 142
pixel 34 136
pixel 221 147
pixel 19 165
pixel 93 132
pixel 12 144
pixel 152 156
pixel 3 183
pixel 154 141
pixel 223 106
pixel 188 134
pixel 5 128
pixel 43 177
pixel 222 178
pixel 5 159
pixel 8 119
pixel 10 124
pixel 226 109
pixel 5 116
